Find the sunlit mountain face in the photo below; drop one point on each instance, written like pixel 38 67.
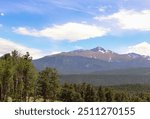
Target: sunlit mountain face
pixel 92 60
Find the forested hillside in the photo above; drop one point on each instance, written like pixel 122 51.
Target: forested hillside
pixel 21 82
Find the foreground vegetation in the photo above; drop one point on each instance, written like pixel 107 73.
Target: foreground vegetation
pixel 20 82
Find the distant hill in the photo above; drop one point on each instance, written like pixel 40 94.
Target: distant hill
pixel 105 80
pixel 94 60
pixel 113 77
pixel 131 71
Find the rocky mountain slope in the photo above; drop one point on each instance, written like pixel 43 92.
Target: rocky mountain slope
pixel 93 60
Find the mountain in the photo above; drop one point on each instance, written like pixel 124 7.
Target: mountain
pixel 94 60
pixel 105 55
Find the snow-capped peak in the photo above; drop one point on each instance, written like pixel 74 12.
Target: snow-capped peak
pixel 99 49
pixel 134 55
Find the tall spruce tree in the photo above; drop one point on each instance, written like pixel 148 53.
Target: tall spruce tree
pixel 48 84
pixel 29 77
pixel 6 77
pixel 90 94
pixel 101 95
pixel 109 95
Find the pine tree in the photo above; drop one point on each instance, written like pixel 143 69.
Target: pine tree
pixel 6 77
pixel 101 95
pixel 121 97
pixel 109 95
pixel 29 77
pixel 90 94
pixel 69 94
pixel 48 84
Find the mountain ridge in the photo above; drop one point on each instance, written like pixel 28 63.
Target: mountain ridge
pixel 92 60
pixel 103 54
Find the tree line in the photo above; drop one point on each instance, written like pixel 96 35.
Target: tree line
pixel 21 82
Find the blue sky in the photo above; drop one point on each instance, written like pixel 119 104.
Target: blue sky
pixel 44 27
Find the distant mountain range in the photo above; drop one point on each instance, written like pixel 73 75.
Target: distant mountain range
pixel 94 60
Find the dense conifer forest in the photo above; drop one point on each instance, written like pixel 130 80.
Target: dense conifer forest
pixel 21 82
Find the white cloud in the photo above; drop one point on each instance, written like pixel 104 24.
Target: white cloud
pixel 141 48
pixel 130 19
pixel 103 8
pixel 69 31
pixel 1 14
pixel 25 31
pixel 7 46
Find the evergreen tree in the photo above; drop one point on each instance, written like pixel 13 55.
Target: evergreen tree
pixel 17 77
pixel 90 94
pixel 121 97
pixel 6 77
pixel 68 94
pixel 29 77
pixel 48 84
pixel 101 95
pixel 109 95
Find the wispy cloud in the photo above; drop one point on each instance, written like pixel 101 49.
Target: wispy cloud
pixel 69 31
pixel 87 7
pixel 46 6
pixel 77 10
pixel 22 6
